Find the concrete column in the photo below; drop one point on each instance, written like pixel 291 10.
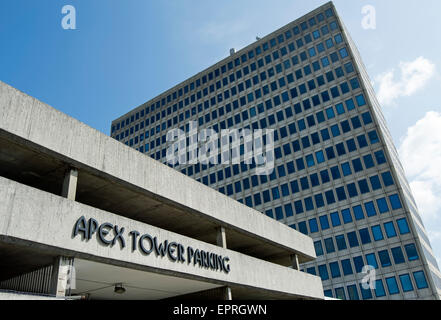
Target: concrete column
pixel 221 237
pixel 70 184
pixel 222 242
pixel 62 277
pixel 227 294
pixel 295 262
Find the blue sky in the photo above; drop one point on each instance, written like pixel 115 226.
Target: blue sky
pixel 124 53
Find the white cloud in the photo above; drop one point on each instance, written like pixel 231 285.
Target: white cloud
pixel 414 76
pixel 420 152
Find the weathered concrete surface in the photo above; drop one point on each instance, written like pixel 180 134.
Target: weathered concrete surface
pixel 30 215
pixel 83 146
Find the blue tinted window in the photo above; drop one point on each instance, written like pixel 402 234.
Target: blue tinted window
pixel 356 163
pixel 328 293
pixel 335 130
pixel 397 254
pixel 329 245
pixel 318 248
pixel 341 242
pixel 309 204
pixel 375 182
pixel 330 113
pixel 366 294
pixel 319 200
pixel 341 195
pixel 406 283
pixel 358 213
pixel 335 218
pixel 390 229
pixel 387 178
pixel 352 292
pixel 347 267
pixel 403 226
pixel 279 214
pixel 411 252
pixel 298 206
pixel 350 104
pixel 340 294
pixel 324 222
pixel 364 236
pixel 302 228
pixel 382 205
pixel 379 289
pixel 420 280
pixel 323 272
pixel 346 214
pixel 368 161
pixel 373 137
pixel 313 226
pixel 335 270
pixel 346 168
pixel 371 260
pixel 395 202
pixel 324 175
pixel 392 285
pixel 379 155
pixel 351 145
pixel 320 157
pixel 358 263
pixel 384 258
pixel 377 233
pixel 360 100
pixel 330 199
pixel 352 239
pixel 370 209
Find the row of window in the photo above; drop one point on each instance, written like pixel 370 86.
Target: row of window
pixel 336 130
pixel 345 267
pixel 294 92
pixel 251 54
pixel 294 127
pixel 308 204
pixel 419 282
pixel 352 239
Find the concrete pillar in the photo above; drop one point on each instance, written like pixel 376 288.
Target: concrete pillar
pixel 227 294
pixel 221 240
pixel 221 237
pixel 295 262
pixel 70 184
pixel 63 277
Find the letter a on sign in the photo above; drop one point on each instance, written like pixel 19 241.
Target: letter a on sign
pixel 69 20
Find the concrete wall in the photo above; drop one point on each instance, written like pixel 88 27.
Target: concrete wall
pixel 47 221
pixel 84 146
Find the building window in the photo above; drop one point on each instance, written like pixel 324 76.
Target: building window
pixel 335 270
pixel 353 293
pixel 420 280
pixel 379 289
pixel 406 283
pixel 411 252
pixel 384 258
pixel 340 293
pixel 392 285
pixel 323 272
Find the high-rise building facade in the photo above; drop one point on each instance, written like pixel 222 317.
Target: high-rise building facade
pixel 336 177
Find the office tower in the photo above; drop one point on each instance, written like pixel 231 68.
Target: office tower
pixel 337 175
